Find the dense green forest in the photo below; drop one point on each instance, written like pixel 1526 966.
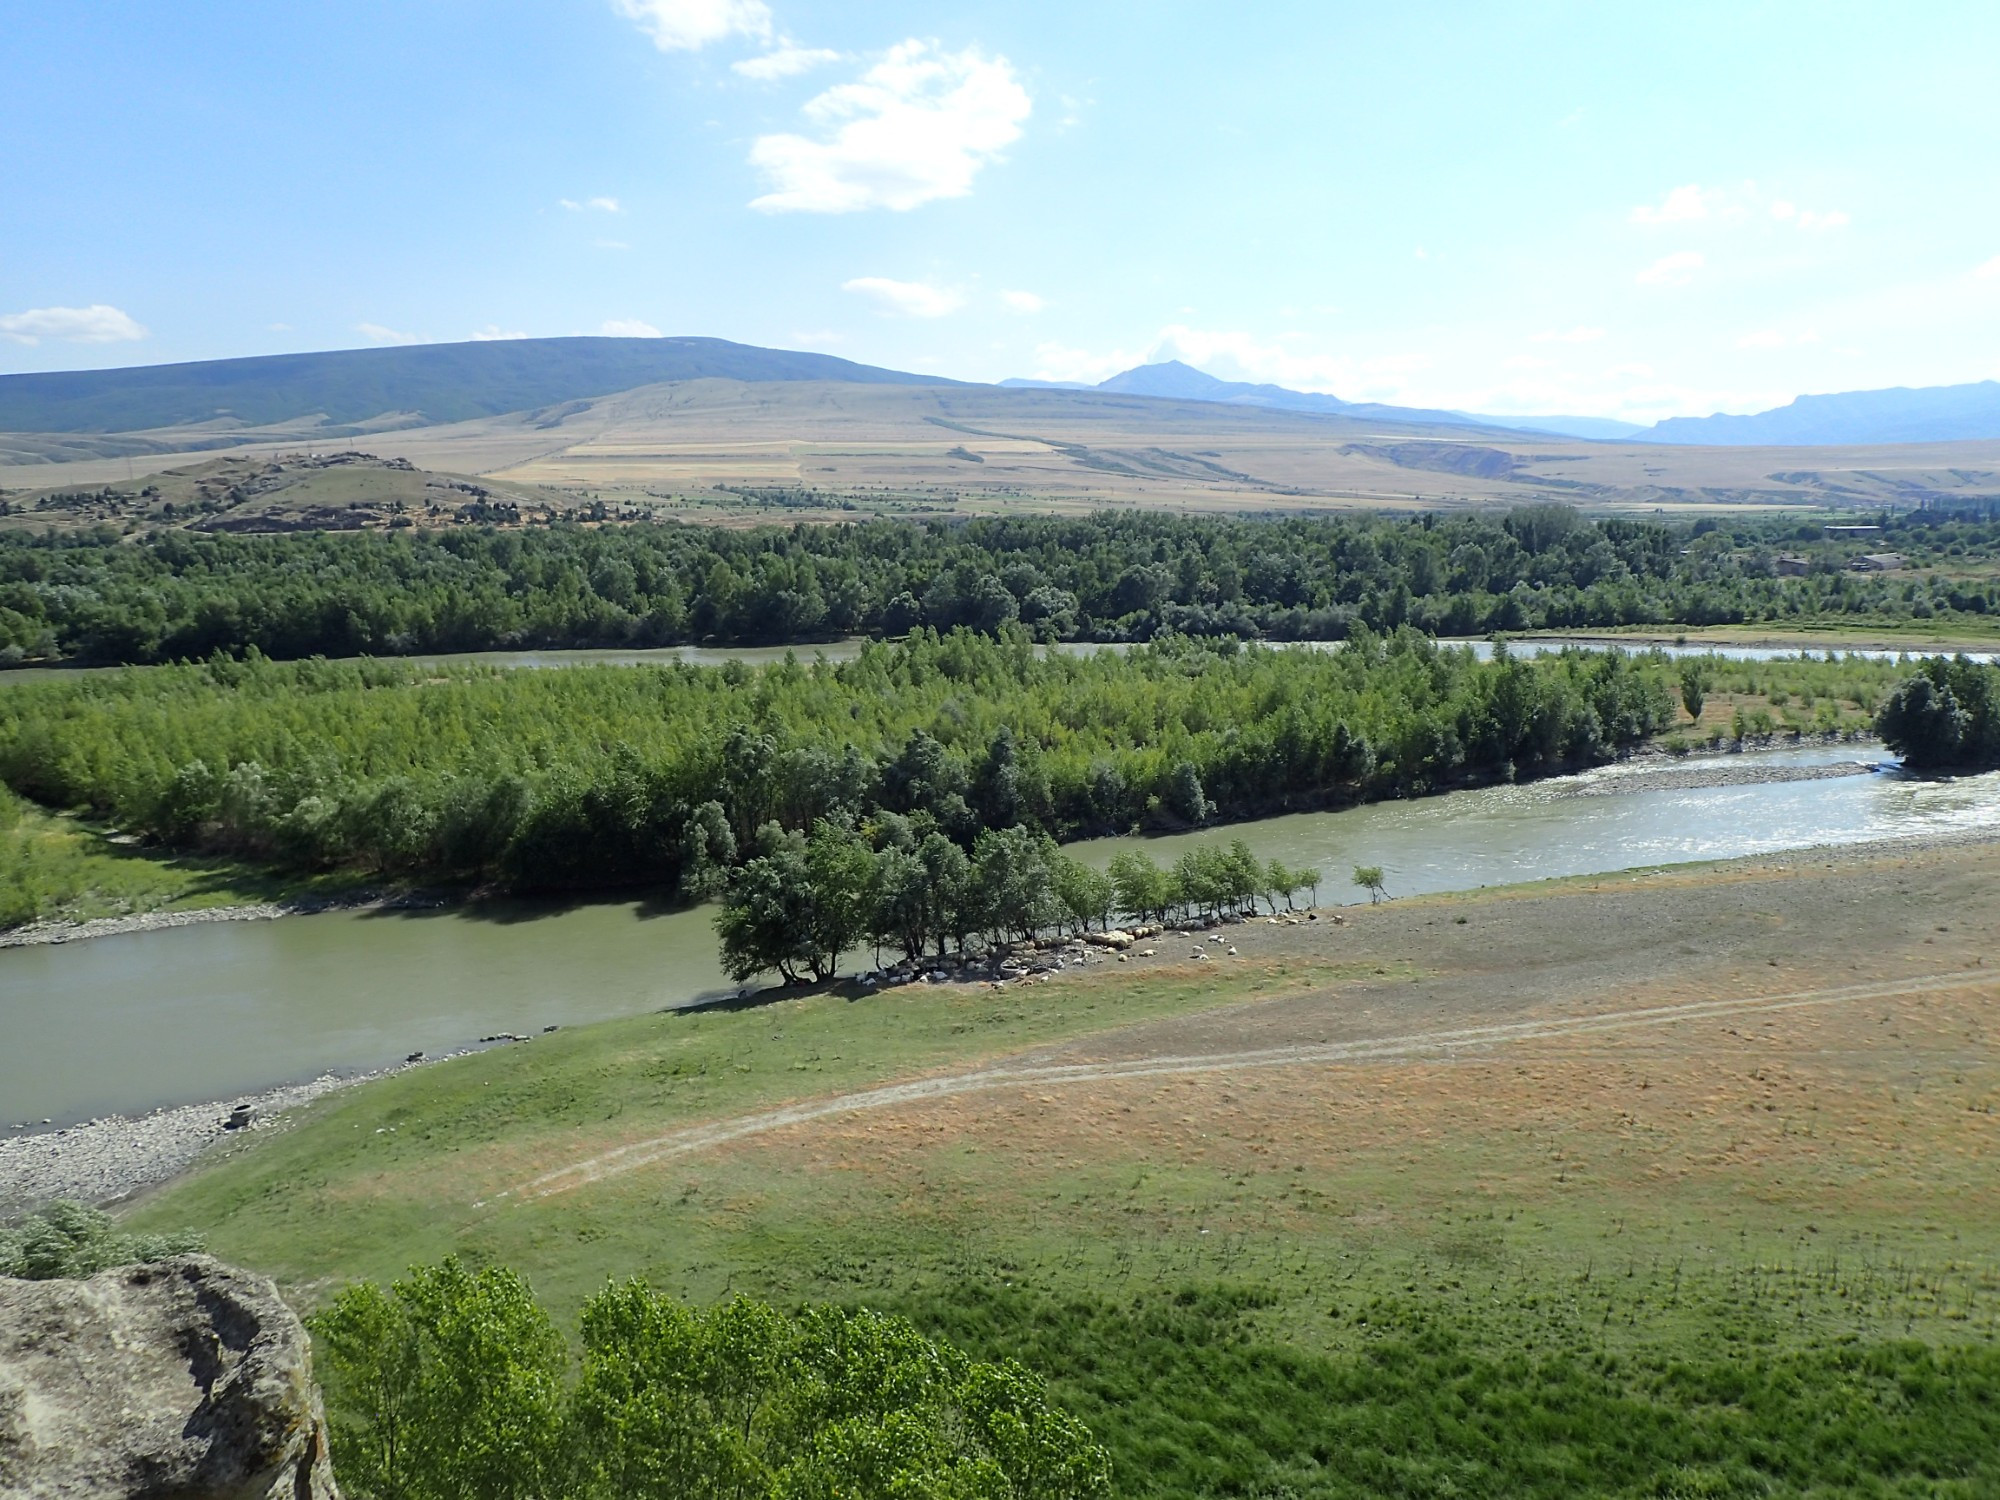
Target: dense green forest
pixel 640 775
pixel 178 595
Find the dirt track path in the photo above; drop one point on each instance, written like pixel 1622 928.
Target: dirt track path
pixel 1420 1044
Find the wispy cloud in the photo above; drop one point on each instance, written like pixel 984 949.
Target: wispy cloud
pixel 1577 335
pixel 1809 220
pixel 1680 206
pixel 628 328
pixel 910 299
pixel 592 205
pixel 685 25
pixel 1990 271
pixel 493 333
pixel 1672 270
pixel 96 324
pixel 383 335
pixel 787 60
pixel 1023 302
pixel 917 126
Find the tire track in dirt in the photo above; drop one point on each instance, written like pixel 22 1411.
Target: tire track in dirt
pixel 1447 1043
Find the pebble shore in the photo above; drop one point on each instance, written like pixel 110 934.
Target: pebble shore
pixel 35 934
pixel 103 1161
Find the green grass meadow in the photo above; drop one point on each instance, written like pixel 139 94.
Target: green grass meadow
pixel 1458 1315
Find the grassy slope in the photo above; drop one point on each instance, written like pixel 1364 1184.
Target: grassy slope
pixel 55 866
pixel 1470 1295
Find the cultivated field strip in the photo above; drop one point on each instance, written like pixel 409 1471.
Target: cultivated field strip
pixel 1425 1044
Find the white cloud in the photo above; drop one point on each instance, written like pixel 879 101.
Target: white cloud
pixel 787 60
pixel 1672 270
pixel 1577 335
pixel 1678 207
pixel 917 126
pixel 611 245
pixel 1528 362
pixel 383 335
pixel 912 299
pixel 96 324
pixel 1025 302
pixel 628 328
pixel 592 205
pixel 1809 220
pixel 493 333
pixel 684 25
pixel 1990 271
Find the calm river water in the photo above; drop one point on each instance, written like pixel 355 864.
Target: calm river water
pixel 194 1013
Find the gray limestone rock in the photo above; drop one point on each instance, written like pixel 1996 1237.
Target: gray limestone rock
pixel 186 1379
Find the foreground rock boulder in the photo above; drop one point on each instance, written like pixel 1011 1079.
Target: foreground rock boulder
pixel 185 1378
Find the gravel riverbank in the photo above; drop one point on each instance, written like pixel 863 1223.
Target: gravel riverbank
pixel 102 1161
pixel 38 933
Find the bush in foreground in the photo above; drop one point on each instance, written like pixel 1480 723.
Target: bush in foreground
pixel 453 1384
pixel 73 1239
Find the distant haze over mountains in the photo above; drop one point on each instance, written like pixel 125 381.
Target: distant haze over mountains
pixel 1184 382
pixel 1931 414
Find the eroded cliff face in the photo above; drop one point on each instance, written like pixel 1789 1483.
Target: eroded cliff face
pixel 186 1378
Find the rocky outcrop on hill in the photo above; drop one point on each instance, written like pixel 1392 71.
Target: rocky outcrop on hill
pixel 186 1378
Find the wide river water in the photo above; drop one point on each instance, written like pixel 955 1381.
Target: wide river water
pixel 122 1024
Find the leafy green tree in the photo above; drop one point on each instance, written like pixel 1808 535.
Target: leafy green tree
pixel 955 903
pixel 1369 879
pixel 451 1385
pixel 1694 679
pixel 1085 895
pixel 1140 887
pixel 840 875
pixel 1013 881
pixel 1922 722
pixel 708 850
pixel 447 1386
pixel 767 920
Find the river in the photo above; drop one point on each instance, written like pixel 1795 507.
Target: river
pixel 848 649
pixel 122 1024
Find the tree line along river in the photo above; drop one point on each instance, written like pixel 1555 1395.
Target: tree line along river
pixel 126 1023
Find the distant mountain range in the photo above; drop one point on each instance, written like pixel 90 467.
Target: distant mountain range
pixel 348 390
pixel 1183 382
pixel 422 383
pixel 1931 414
pixel 1927 414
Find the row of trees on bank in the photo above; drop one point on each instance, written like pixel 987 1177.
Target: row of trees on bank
pixel 801 901
pixel 663 776
pixel 177 595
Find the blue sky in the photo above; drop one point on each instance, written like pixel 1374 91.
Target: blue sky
pixel 1613 209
